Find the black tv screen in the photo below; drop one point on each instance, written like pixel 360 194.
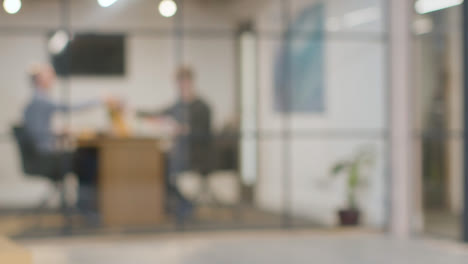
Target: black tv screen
pixel 92 54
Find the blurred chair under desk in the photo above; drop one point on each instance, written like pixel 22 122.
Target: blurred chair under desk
pixel 220 185
pixel 47 166
pixel 219 188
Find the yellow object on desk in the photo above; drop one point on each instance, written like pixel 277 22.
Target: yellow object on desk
pixel 119 124
pixel 87 135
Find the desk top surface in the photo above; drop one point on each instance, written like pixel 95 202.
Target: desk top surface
pixel 102 140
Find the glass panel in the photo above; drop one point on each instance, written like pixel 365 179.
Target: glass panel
pixel 269 115
pixel 314 83
pixel 439 80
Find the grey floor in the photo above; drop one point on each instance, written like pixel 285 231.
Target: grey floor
pixel 258 247
pixel 443 224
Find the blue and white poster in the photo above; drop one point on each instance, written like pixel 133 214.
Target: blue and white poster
pixel 299 66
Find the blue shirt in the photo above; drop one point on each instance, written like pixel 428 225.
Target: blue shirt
pixel 38 117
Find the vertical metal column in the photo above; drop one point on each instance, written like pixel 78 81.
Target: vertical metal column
pixel 400 117
pixel 465 119
pixel 66 97
pixel 179 60
pixel 65 10
pixel 179 33
pixel 286 125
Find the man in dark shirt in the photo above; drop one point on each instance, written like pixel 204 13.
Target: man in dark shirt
pixel 191 117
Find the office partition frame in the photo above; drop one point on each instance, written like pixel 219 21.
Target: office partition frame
pixel 465 119
pixel 286 135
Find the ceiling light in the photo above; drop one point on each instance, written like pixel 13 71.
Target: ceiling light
pixel 58 42
pixel 361 17
pixel 12 6
pixel 106 3
pixel 427 6
pixel 167 8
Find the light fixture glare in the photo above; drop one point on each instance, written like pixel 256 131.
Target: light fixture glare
pixel 427 6
pixel 12 6
pixel 167 8
pixel 106 3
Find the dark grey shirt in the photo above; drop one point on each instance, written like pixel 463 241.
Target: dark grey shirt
pixel 191 151
pixel 38 117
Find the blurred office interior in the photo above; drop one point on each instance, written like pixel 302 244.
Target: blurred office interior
pixel 295 87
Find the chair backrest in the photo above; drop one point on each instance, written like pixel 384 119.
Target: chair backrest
pixel 226 149
pixel 27 150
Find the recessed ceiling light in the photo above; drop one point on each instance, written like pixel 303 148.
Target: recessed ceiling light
pixel 106 3
pixel 167 8
pixel 12 6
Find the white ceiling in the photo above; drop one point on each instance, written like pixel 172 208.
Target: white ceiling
pixel 238 9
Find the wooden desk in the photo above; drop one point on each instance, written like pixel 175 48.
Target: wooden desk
pixel 131 188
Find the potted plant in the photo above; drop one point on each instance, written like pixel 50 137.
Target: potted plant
pixel 354 169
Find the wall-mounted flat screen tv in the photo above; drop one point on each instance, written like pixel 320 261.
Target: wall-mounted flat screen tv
pixel 92 55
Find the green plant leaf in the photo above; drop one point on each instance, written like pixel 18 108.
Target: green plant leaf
pixel 353 180
pixel 355 169
pixel 338 168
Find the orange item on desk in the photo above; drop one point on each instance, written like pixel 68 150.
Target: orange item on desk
pixel 119 125
pixel 87 135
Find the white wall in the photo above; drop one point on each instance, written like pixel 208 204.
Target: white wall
pixel 355 89
pixel 150 51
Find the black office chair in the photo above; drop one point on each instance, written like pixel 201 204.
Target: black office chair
pixel 27 151
pixel 220 155
pixel 33 163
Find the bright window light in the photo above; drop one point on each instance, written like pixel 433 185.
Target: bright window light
pixel 167 8
pixel 427 6
pixel 12 6
pixel 106 3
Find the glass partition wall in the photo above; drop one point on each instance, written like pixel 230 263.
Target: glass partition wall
pixel 222 115
pixel 438 95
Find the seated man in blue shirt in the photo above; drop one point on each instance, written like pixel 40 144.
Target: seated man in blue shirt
pixel 38 123
pixel 41 108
